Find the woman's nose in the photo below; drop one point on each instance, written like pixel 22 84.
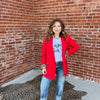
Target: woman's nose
pixel 56 27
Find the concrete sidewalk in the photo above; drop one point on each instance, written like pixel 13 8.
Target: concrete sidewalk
pixel 92 88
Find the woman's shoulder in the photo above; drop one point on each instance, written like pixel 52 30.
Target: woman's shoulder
pixel 46 39
pixel 68 37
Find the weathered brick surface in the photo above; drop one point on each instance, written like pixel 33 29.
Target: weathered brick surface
pixel 16 38
pixel 24 23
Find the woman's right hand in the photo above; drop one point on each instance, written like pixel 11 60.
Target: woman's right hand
pixel 44 71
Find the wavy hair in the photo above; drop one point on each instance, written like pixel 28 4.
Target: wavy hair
pixel 50 30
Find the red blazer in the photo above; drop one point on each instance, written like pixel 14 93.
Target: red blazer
pixel 48 56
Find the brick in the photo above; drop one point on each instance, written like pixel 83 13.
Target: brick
pixel 87 0
pixel 70 2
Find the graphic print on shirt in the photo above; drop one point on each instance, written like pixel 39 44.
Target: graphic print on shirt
pixel 57 48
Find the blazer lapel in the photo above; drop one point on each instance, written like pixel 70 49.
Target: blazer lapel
pixel 52 51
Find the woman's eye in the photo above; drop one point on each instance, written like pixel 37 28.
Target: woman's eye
pixel 56 26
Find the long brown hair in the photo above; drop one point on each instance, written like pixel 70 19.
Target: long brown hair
pixel 50 32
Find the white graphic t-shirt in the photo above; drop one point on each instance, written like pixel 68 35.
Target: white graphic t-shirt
pixel 57 47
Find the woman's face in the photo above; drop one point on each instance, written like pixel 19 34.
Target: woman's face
pixel 57 28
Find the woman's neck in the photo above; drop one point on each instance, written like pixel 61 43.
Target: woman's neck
pixel 56 36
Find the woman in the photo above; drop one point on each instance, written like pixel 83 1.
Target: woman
pixel 55 50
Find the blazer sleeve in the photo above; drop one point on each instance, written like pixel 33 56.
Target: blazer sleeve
pixel 74 46
pixel 44 52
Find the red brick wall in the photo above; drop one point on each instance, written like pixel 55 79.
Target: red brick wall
pixel 16 38
pixel 24 23
pixel 82 21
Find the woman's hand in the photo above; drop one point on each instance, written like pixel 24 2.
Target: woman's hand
pixel 66 54
pixel 44 71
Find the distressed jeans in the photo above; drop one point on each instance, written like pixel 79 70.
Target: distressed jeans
pixel 45 83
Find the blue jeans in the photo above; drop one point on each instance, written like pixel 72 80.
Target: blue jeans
pixel 45 83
